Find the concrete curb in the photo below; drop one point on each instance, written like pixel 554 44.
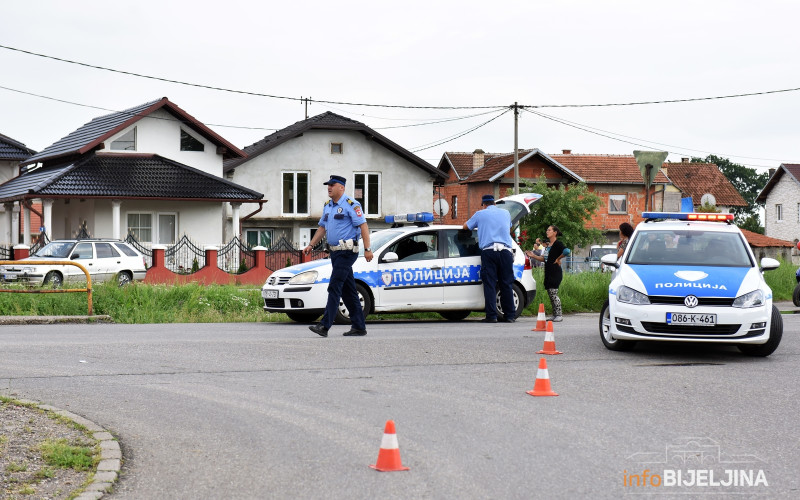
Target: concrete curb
pixel 108 469
pixel 52 320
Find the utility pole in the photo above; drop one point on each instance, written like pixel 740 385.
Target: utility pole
pixel 516 150
pixel 305 99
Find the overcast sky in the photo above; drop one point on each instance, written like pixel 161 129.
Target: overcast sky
pixel 438 53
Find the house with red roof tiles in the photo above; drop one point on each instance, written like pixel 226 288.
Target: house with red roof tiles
pixel 698 179
pixel 781 199
pixel 615 178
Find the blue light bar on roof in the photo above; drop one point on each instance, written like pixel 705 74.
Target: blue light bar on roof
pixel 689 216
pixel 417 217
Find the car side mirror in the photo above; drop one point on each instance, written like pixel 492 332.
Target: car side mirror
pixel 610 260
pixel 75 256
pixel 768 264
pixel 390 257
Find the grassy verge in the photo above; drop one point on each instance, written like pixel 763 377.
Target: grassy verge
pixel 193 303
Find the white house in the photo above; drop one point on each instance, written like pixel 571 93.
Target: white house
pixel 153 170
pixel 781 199
pixel 290 165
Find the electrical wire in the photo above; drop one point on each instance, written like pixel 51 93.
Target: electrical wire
pixel 460 134
pixel 233 91
pixel 586 129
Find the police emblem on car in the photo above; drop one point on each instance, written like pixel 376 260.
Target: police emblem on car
pixel 690 277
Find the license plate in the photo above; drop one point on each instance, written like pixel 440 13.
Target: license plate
pixel 691 319
pixel 270 294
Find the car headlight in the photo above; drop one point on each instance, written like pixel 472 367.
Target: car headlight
pixel 631 296
pixel 752 299
pixel 305 278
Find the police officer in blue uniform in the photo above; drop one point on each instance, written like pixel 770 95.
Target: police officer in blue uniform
pixel 497 258
pixel 342 222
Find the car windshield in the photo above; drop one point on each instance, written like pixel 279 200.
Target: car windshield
pixel 599 252
pixel 59 249
pixel 689 248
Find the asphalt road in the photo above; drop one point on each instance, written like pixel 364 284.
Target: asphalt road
pixel 274 411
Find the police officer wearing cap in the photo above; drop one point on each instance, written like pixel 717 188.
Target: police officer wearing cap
pixel 342 222
pixel 497 258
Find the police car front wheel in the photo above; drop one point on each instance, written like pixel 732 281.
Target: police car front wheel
pixel 775 335
pixel 605 333
pixel 342 314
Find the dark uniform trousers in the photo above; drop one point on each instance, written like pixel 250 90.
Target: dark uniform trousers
pixel 497 269
pixel 343 285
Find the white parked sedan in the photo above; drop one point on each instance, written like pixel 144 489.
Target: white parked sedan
pixel 691 278
pixel 415 268
pixel 104 259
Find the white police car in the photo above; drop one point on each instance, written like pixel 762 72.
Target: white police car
pixel 690 277
pixel 415 268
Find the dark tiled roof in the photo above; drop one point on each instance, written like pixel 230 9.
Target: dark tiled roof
pixel 696 179
pixel 13 150
pixel 327 121
pixel 792 169
pixel 124 176
pixel 90 135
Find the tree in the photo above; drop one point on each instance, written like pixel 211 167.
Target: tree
pixel 570 209
pixel 748 182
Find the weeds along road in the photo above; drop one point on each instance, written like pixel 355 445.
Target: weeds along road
pixel 274 411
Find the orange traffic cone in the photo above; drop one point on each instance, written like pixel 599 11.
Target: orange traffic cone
pixel 389 454
pixel 542 385
pixel 549 341
pixel 540 320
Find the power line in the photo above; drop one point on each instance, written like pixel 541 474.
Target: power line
pixel 245 92
pixel 126 112
pixel 460 134
pixel 586 129
pixel 433 122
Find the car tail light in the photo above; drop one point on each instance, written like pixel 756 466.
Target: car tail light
pixel 528 263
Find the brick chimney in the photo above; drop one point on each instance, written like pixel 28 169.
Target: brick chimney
pixel 477 159
pixel 566 151
pixel 684 160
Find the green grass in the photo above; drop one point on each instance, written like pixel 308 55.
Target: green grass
pixel 193 303
pixel 59 453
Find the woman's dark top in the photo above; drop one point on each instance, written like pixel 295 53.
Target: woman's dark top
pixel 552 271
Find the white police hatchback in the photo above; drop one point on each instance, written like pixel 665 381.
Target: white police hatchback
pixel 690 277
pixel 415 268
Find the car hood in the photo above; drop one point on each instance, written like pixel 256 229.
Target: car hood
pixel 300 268
pixel 518 205
pixel 33 258
pixel 701 281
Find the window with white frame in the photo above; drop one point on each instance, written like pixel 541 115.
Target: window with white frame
pixel 617 204
pixel 126 142
pixel 258 237
pixel 454 206
pixel 164 231
pixel 367 189
pixel 778 212
pixel 141 226
pixel 295 193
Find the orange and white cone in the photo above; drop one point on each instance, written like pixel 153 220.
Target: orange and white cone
pixel 549 341
pixel 389 454
pixel 540 320
pixel 542 385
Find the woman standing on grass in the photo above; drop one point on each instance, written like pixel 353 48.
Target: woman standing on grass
pixel 552 269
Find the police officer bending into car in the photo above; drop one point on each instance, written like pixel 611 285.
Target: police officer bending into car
pixel 497 258
pixel 342 222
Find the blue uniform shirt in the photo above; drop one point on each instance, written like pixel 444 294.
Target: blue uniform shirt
pixel 341 219
pixel 494 226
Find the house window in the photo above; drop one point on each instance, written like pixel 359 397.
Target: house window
pixel 367 192
pixel 337 148
pixel 617 204
pixel 189 143
pixel 779 212
pixel 167 228
pixel 258 237
pixel 798 212
pixel 295 193
pixel 141 226
pixel 454 206
pixel 126 142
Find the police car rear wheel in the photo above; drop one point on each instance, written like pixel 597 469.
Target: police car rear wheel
pixel 775 335
pixel 796 295
pixel 454 315
pixel 605 333
pixel 343 316
pixel 303 317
